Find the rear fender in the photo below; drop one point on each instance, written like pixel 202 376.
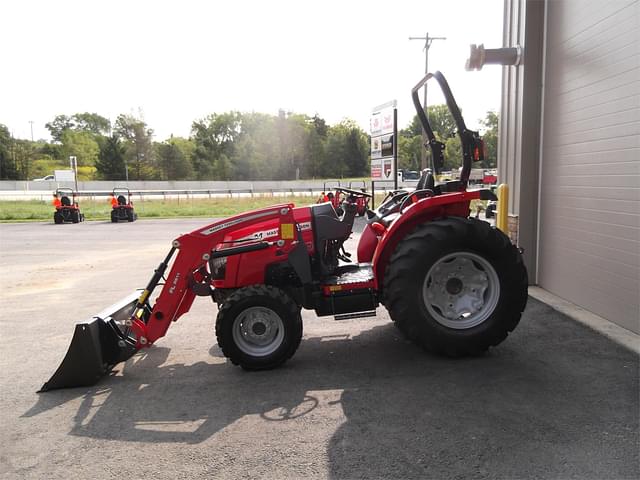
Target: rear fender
pixel 367 244
pixel 424 210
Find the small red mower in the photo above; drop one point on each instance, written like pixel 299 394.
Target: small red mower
pixel 362 203
pixel 67 208
pixel 122 206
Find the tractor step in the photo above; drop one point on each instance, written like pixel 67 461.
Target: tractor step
pixel 349 278
pixel 350 316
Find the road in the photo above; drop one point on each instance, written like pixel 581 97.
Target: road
pixel 555 400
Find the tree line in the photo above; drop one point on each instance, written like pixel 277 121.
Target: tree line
pixel 221 146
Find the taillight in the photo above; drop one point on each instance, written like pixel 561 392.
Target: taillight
pixel 480 151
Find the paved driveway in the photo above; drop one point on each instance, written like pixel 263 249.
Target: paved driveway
pixel 555 400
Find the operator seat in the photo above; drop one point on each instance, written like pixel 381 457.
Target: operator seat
pixel 122 200
pixel 65 201
pixel 330 232
pixel 427 180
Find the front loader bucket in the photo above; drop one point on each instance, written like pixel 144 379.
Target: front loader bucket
pixel 97 346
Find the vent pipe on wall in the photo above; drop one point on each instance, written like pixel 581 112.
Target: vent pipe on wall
pixel 480 56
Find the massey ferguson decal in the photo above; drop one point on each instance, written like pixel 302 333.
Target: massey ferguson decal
pixel 231 223
pixel 257 236
pixel 265 234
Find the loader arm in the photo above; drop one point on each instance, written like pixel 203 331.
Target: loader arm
pixel 189 274
pixel 119 331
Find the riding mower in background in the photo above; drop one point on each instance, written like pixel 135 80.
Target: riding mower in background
pixel 362 203
pixel 453 285
pixel 335 197
pixel 123 210
pixel 68 209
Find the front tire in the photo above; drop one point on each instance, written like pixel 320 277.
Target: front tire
pixel 259 327
pixel 456 286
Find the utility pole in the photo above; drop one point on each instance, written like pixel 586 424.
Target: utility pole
pixel 31 122
pixel 427 45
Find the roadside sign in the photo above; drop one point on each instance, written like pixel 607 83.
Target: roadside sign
pixel 63 175
pixel 384 151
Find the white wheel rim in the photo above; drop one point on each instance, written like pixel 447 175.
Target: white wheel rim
pixel 461 290
pixel 258 331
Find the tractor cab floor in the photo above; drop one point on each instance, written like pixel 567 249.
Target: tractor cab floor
pixel 351 274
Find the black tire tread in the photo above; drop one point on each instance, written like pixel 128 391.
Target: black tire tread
pixel 438 234
pixel 242 294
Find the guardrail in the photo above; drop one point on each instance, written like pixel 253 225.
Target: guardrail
pixel 45 195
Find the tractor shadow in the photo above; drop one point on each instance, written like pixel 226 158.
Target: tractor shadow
pixel 555 400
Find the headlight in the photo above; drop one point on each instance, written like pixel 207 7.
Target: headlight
pixel 218 268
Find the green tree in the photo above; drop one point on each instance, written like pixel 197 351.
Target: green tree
pixel 257 148
pixel 138 140
pixel 490 137
pixel 23 153
pixel 410 144
pixel 409 152
pixel 214 138
pixel 59 125
pixel 441 122
pixel 347 151
pixel 8 170
pixel 82 145
pixel 452 154
pixel 92 122
pixel 110 164
pixel 174 159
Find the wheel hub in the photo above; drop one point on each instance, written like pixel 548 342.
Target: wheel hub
pixel 461 290
pixel 259 328
pixel 454 286
pixel 258 331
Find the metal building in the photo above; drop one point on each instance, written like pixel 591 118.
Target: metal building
pixel 570 149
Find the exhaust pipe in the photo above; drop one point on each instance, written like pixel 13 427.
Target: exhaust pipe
pixel 96 347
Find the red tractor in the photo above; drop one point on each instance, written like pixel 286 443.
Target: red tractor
pixel 335 196
pixel 122 208
pixel 452 284
pixel 67 207
pixel 362 202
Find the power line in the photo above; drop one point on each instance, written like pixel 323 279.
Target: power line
pixel 427 45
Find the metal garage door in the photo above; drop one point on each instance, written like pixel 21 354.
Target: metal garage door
pixel 589 245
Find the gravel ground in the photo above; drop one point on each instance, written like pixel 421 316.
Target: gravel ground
pixel 555 400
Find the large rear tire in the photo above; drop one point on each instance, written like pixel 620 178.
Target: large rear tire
pixel 259 327
pixel 456 286
pixel 75 216
pixel 57 218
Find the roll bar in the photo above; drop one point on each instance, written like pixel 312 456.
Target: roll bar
pixel 471 142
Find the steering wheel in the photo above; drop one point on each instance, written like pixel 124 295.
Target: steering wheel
pixel 413 197
pixel 355 193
